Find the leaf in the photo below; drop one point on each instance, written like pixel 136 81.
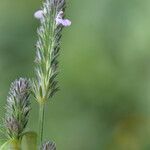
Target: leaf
pixel 10 145
pixel 2 141
pixel 4 146
pixel 29 141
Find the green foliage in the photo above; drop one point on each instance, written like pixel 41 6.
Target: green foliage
pixel 29 141
pixel 11 145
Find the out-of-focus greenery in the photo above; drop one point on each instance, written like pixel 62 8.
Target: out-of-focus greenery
pixel 104 100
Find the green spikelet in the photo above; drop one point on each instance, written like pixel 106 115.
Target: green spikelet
pixel 17 108
pixel 49 146
pixel 47 51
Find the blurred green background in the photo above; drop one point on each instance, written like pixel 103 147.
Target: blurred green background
pixel 104 102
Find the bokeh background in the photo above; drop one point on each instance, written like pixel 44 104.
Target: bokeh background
pixel 104 102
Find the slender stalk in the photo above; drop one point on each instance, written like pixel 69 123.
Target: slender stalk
pixel 41 121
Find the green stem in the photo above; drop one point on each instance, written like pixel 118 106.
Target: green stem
pixel 41 121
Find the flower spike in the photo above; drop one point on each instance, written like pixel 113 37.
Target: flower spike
pixel 49 146
pixel 52 21
pixel 17 108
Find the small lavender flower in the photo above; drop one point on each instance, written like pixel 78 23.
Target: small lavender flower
pixel 60 20
pixel 17 108
pixel 39 14
pixel 49 146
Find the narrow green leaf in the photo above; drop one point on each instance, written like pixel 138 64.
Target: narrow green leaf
pixel 4 146
pixel 29 141
pixel 11 145
pixel 2 141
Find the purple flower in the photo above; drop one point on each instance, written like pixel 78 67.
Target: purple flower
pixel 39 14
pixel 60 20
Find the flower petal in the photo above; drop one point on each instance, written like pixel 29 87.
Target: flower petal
pixel 64 22
pixel 60 20
pixel 39 14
